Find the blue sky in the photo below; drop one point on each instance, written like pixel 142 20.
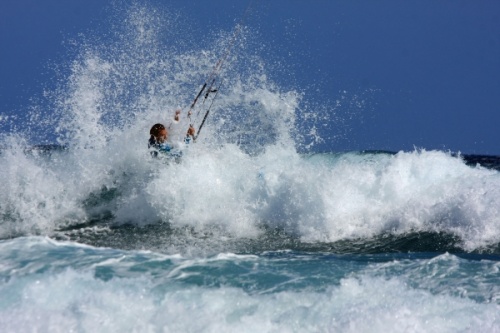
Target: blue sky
pixel 427 72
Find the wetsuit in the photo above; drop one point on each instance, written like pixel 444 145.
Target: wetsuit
pixel 156 147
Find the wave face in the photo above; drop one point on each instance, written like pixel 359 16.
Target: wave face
pixel 278 195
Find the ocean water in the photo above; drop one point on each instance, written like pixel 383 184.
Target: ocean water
pixel 251 230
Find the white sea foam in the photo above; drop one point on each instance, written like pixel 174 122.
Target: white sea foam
pixel 322 200
pixel 61 286
pixel 77 301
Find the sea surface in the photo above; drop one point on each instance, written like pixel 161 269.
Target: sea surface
pixel 252 229
pixel 349 242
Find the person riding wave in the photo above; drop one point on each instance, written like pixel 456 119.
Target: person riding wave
pixel 158 140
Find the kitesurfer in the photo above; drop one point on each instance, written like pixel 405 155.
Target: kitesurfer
pixel 159 134
pixel 158 140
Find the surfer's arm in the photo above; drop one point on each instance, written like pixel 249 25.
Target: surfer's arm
pixel 190 134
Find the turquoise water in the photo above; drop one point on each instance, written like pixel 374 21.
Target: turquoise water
pixel 61 286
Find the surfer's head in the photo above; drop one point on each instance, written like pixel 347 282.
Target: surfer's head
pixel 159 133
